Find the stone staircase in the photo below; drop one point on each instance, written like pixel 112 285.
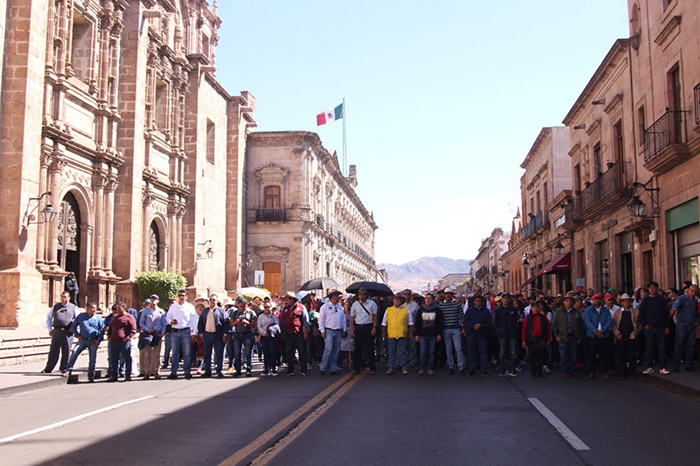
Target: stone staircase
pixel 23 348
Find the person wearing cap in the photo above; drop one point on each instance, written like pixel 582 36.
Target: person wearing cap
pixel 242 322
pixel 567 332
pixel 331 324
pixel 453 315
pixel 598 322
pixel 212 327
pixel 363 328
pixel 536 338
pixel 625 329
pixel 397 326
pixel 685 314
pixel 152 327
pixel 654 319
pixel 506 323
pixel 428 332
pixel 294 322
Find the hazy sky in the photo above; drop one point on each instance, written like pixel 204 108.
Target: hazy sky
pixel 444 98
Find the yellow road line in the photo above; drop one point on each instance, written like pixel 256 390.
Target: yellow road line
pixel 283 425
pixel 273 451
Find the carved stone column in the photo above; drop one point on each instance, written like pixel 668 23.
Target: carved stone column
pixel 54 171
pixel 98 183
pixel 172 240
pixel 108 232
pixel 178 244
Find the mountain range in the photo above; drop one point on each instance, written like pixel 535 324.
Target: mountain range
pixel 416 274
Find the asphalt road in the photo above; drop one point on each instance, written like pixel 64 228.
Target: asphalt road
pixel 365 419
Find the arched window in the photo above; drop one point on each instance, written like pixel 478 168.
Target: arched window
pixel 273 197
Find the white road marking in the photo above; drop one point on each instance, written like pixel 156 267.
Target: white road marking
pixel 564 431
pixel 70 420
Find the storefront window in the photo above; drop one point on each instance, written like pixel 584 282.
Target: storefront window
pixel 688 253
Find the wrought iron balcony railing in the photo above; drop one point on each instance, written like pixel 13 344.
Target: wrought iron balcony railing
pixel 270 215
pixel 670 129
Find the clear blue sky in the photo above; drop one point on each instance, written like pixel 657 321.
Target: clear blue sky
pixel 444 98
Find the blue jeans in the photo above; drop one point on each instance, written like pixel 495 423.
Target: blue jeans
pixel 117 351
pixel 269 348
pixel 506 344
pixel 685 335
pixel 477 343
pixel 453 342
pixel 92 350
pixel 568 356
pixel 400 345
pixel 655 339
pixel 119 361
pixel 412 352
pixel 168 349
pixel 331 349
pixel 181 343
pixel 212 340
pixel 427 353
pixel 241 340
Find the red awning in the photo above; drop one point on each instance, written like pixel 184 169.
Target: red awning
pixel 562 262
pixel 528 281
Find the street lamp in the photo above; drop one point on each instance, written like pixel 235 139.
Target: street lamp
pixel 636 207
pixel 559 248
pixel 526 263
pixel 48 213
pixel 209 250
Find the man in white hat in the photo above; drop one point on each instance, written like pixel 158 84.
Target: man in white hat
pixel 625 330
pixel 331 324
pixel 294 322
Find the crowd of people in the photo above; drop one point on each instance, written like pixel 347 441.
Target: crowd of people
pixel 582 332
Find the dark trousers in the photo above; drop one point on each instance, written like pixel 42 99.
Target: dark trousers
pixel 626 350
pixel 538 355
pixel 685 336
pixel 117 350
pixel 568 355
pixel 294 342
pixel 655 347
pixel 364 348
pixel 243 342
pixel 61 340
pixel 477 344
pixel 269 347
pixel 597 350
pixel 215 342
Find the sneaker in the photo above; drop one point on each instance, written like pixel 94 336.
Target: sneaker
pixel 230 370
pixel 421 372
pixel 546 369
pixel 664 371
pixel 306 373
pixel 648 370
pixel 264 374
pixel 248 374
pixel 513 374
pixel 519 368
pixel 503 374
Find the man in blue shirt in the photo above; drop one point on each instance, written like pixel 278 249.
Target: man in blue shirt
pixel 685 311
pixel 90 330
pixel 151 324
pixel 598 321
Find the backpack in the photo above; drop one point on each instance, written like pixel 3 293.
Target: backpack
pixel 63 316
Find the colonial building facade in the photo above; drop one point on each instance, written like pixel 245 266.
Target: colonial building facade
pixel 486 269
pixel 304 218
pixel 113 118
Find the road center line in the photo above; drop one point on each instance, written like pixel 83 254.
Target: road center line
pixel 564 431
pixel 71 420
pixel 276 449
pixel 284 424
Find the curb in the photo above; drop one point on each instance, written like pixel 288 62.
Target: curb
pixel 667 383
pixel 31 387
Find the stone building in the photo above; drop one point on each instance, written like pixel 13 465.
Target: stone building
pixel 486 269
pixel 304 218
pixel 112 116
pixel 545 185
pixel 665 107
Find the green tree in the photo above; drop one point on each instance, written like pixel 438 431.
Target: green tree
pixel 164 284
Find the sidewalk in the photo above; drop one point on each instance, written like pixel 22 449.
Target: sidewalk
pixel 682 383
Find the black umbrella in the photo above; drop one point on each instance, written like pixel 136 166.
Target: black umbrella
pixel 322 283
pixel 373 288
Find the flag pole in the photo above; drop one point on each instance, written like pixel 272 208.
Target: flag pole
pixel 345 147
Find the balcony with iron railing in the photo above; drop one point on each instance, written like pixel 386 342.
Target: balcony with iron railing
pixel 271 215
pixel 665 143
pixel 536 222
pixel 607 192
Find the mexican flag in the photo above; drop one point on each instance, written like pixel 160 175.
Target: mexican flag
pixel 330 116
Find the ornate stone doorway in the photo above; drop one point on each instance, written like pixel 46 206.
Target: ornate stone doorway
pixel 69 236
pixel 155 258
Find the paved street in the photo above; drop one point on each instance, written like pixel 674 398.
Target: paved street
pixel 366 420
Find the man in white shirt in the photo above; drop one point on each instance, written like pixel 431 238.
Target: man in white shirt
pixel 182 318
pixel 332 325
pixel 363 328
pixel 412 306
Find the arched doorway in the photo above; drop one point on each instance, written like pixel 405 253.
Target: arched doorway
pixel 69 235
pixel 155 259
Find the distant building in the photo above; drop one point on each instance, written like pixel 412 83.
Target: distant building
pixel 304 218
pixel 486 270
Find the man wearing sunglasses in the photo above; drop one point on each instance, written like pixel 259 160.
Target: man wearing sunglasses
pixel 182 318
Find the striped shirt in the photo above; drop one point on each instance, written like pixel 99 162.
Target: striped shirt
pixel 452 314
